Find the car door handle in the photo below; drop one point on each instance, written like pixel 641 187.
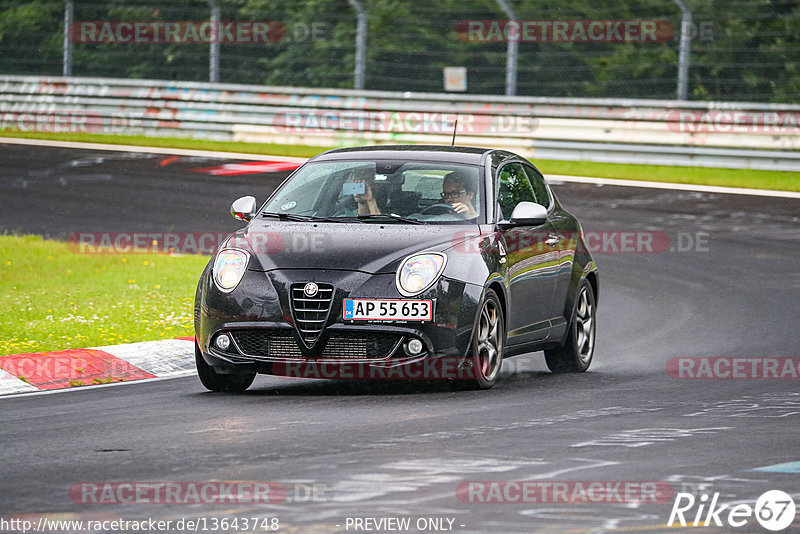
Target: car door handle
pixel 553 240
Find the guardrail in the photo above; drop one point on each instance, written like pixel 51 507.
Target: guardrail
pixel 713 134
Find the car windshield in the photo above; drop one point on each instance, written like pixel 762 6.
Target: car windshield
pixel 383 191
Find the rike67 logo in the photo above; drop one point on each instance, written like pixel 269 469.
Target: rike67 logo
pixel 774 510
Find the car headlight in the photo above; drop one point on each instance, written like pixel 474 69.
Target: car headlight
pixel 418 272
pixel 229 268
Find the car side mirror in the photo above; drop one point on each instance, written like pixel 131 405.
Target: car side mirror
pixel 244 208
pixel 526 214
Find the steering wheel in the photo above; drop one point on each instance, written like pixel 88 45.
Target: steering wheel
pixel 439 209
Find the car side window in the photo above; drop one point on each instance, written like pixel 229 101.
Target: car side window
pixel 539 187
pixel 514 188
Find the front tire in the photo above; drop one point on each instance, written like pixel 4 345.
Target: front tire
pixel 214 381
pixel 575 355
pixel 488 341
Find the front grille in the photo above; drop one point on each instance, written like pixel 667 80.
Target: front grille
pixel 267 344
pixel 339 346
pixel 311 313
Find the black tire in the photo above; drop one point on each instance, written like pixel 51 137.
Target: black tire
pixel 575 355
pixel 488 342
pixel 214 381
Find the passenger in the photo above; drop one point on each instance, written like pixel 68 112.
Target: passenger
pixel 367 202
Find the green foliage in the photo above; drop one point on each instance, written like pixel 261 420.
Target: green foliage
pixel 741 49
pixel 26 30
pixel 514 188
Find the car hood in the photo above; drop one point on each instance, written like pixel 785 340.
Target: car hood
pixel 367 247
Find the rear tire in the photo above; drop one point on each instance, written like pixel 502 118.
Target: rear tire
pixel 488 341
pixel 214 381
pixel 575 355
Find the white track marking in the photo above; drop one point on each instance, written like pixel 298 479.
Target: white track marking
pixel 165 357
pixel 258 157
pixel 147 149
pixel 96 386
pixel 10 384
pixel 675 187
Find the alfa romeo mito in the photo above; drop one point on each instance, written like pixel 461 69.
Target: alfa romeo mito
pixel 399 262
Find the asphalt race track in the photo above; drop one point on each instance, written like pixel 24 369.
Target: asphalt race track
pixel 729 287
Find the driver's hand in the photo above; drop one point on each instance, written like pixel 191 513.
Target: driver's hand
pixel 464 208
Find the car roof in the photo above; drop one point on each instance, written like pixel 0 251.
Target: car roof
pixel 456 154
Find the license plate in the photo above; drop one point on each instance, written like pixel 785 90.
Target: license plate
pixel 388 310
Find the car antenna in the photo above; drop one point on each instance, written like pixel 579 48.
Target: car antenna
pixel 455 127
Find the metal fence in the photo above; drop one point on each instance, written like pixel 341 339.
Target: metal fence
pixel 738 50
pixel 743 135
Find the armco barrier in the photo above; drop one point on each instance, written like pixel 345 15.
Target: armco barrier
pixel 714 134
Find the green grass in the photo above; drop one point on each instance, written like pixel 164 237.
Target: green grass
pixel 754 179
pixel 54 298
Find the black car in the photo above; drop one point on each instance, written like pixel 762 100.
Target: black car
pixel 398 262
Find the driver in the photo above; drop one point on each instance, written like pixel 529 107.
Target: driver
pixel 459 192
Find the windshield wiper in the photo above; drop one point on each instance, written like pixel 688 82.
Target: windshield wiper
pixel 371 217
pixel 389 217
pixel 300 218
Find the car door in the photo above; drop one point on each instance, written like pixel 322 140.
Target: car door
pixel 561 237
pixel 531 262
